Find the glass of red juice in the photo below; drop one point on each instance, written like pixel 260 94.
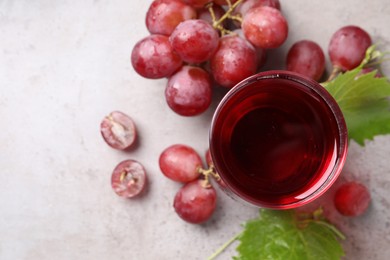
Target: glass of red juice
pixel 278 140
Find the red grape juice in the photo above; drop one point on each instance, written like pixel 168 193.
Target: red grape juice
pixel 278 140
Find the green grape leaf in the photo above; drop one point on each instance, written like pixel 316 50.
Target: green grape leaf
pixel 364 101
pixel 278 234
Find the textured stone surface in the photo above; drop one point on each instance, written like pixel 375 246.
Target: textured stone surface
pixel 64 65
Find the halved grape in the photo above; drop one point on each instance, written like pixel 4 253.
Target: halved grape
pixel 194 40
pixel 180 163
pixel 352 199
pixel 348 46
pixel 189 91
pixel 164 15
pixel 265 27
pixel 307 58
pixel 234 60
pixel 128 179
pixel 195 203
pixel 154 58
pixel 118 130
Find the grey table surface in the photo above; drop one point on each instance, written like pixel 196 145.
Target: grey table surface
pixel 64 65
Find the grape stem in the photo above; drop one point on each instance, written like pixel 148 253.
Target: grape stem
pixel 217 24
pixel 206 174
pixel 237 18
pixel 224 246
pixel 229 3
pixel 336 70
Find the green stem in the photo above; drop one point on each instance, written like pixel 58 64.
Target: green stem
pixel 224 246
pixel 216 24
pixel 336 70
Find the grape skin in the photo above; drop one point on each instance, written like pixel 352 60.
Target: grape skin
pixel 245 6
pixel 348 46
pixel 352 199
pixel 307 58
pixel 194 40
pixel 260 53
pixel 153 57
pixel 118 130
pixel 196 3
pixel 189 91
pixel 194 203
pixel 163 16
pixel 180 163
pixel 234 60
pixel 128 179
pixel 265 27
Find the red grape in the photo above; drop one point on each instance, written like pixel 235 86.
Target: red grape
pixel 307 58
pixel 196 3
pixel 189 91
pixel 118 130
pixel 265 27
pixel 194 203
pixel 260 53
pixel 164 15
pixel 246 5
pixel 194 40
pixel 348 46
pixel 180 163
pixel 352 199
pixel 234 60
pixel 128 179
pixel 153 57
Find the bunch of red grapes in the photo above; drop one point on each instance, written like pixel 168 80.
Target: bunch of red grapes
pixel 200 44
